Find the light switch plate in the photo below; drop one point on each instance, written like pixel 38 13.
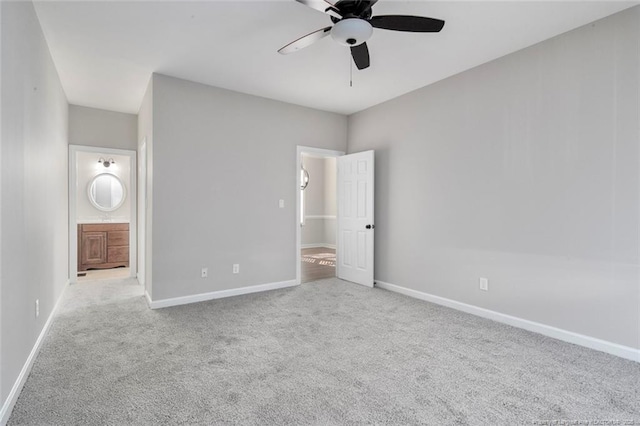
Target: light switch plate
pixel 484 284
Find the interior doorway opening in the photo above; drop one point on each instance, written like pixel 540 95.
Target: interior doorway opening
pixel 317 214
pixel 318 217
pixel 102 213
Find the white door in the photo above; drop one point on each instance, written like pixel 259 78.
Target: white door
pixel 355 218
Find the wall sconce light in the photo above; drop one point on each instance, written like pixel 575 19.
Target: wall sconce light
pixel 106 163
pixel 304 178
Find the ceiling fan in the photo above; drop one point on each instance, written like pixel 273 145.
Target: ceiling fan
pixel 354 24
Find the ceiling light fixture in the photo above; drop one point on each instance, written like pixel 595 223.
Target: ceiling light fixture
pixel 352 31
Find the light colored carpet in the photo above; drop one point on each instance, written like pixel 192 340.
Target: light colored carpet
pixel 323 353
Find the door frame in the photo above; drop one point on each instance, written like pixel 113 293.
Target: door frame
pixel 317 152
pixel 141 222
pixel 73 219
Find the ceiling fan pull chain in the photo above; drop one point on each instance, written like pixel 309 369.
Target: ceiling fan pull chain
pixel 350 71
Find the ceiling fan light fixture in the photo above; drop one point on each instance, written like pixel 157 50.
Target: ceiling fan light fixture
pixel 351 32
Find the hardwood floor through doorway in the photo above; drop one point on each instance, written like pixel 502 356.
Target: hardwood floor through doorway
pixel 104 274
pixel 318 263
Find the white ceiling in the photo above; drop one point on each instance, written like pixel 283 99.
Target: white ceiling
pixel 105 51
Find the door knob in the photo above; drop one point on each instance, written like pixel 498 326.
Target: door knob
pixel 370 226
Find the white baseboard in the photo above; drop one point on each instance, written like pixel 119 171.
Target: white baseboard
pixel 557 333
pixel 323 245
pixel 149 301
pixel 327 216
pixel 9 403
pixel 165 303
pixel 138 275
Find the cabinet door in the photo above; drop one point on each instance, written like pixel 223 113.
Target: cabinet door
pixel 118 254
pixel 94 248
pixel 118 238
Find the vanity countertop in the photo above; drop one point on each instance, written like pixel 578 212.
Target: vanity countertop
pixel 92 221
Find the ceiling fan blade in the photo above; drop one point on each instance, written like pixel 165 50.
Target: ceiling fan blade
pixel 360 54
pixel 414 24
pixel 371 3
pixel 322 6
pixel 305 41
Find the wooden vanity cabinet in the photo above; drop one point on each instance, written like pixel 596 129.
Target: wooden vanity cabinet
pixel 103 245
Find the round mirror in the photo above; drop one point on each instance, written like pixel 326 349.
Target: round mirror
pixel 106 192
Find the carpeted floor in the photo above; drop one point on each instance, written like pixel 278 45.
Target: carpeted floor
pixel 327 353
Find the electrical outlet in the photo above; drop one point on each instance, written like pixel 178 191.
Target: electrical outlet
pixel 205 272
pixel 236 268
pixel 37 308
pixel 281 204
pixel 484 284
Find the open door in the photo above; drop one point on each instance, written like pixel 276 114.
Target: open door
pixel 355 217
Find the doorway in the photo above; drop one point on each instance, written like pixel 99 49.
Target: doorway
pixel 102 213
pixel 316 214
pixel 318 217
pixel 354 182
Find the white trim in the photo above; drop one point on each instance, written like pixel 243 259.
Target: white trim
pixel 10 402
pixel 73 226
pixel 314 152
pixel 148 298
pixel 321 245
pixel 536 327
pixel 321 217
pixel 73 220
pixel 165 303
pixel 141 221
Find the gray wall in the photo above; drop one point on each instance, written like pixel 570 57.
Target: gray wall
pixel 105 129
pixel 330 200
pixel 221 162
pixel 320 202
pixel 33 191
pixel 523 170
pixel 315 190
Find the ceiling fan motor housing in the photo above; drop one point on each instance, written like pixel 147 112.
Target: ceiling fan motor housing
pixel 351 31
pixel 353 26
